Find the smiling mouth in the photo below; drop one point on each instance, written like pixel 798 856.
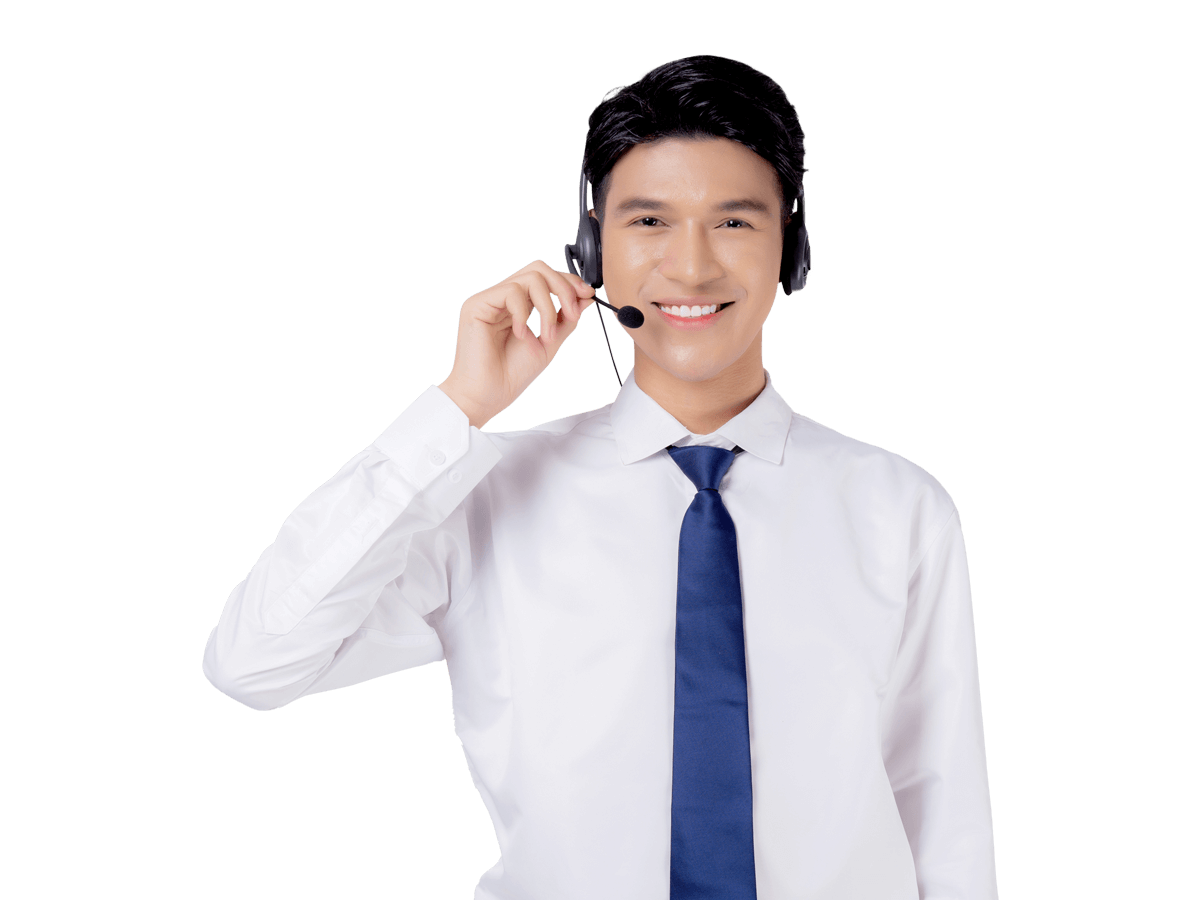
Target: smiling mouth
pixel 693 312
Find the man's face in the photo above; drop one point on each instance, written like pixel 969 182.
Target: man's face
pixel 693 223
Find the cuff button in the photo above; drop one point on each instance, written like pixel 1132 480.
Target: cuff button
pixel 454 475
pixel 437 457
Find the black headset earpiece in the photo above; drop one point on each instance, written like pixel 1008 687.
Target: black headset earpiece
pixel 797 257
pixel 586 248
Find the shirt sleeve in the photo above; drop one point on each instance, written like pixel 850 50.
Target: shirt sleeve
pixel 362 570
pixel 933 730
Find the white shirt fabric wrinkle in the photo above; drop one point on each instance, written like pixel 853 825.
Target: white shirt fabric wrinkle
pixel 542 566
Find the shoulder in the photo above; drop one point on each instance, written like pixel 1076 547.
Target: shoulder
pixel 872 482
pixel 582 424
pixel 567 436
pixel 815 441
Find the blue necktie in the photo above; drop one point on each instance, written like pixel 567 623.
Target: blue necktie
pixel 712 837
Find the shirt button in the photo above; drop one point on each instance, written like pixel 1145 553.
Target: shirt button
pixel 437 457
pixel 455 476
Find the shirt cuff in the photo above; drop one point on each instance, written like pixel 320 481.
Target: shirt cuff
pixel 431 438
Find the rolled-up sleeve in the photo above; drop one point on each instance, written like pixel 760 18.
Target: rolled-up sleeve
pixel 933 729
pixel 361 568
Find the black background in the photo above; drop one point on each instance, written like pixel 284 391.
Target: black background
pixel 340 217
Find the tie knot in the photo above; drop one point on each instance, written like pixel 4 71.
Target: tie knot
pixel 705 466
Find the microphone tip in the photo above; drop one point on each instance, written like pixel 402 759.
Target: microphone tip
pixel 630 317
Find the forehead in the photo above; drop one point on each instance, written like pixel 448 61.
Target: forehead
pixel 687 170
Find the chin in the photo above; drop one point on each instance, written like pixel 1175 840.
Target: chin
pixel 696 369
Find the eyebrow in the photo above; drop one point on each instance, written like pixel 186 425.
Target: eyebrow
pixel 646 204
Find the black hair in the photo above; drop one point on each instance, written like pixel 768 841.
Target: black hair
pixel 697 97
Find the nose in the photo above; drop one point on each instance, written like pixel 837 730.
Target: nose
pixel 689 257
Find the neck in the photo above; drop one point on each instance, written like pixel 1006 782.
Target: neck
pixel 704 406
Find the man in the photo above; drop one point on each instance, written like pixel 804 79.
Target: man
pixel 700 646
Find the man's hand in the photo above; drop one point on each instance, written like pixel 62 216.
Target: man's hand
pixel 497 355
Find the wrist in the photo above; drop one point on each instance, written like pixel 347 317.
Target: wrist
pixel 475 415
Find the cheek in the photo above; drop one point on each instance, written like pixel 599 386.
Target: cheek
pixel 628 257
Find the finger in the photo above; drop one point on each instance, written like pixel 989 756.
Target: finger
pixel 539 293
pixel 584 303
pixel 584 294
pixel 543 282
pixel 575 294
pixel 567 292
pixel 574 306
pixel 569 288
pixel 516 301
pixel 582 287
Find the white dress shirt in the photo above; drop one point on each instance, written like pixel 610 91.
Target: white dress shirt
pixel 542 566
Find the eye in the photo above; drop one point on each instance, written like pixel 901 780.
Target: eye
pixel 648 220
pixel 735 223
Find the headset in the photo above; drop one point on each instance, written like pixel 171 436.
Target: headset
pixel 793 267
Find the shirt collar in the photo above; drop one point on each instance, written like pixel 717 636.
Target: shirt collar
pixel 642 427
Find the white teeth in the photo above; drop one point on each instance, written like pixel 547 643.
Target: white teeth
pixel 689 312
